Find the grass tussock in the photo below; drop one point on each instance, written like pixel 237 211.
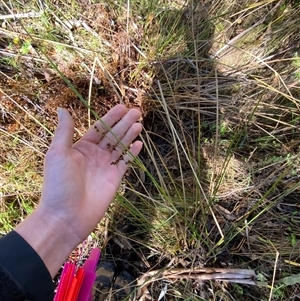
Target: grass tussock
pixel 217 183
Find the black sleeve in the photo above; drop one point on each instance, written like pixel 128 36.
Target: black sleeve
pixel 23 274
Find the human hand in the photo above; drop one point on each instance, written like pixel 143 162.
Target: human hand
pixel 80 182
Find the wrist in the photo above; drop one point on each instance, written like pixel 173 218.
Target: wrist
pixel 47 236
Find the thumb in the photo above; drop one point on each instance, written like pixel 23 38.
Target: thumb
pixel 65 129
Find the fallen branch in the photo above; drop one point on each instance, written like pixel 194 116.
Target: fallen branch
pixel 20 16
pixel 242 276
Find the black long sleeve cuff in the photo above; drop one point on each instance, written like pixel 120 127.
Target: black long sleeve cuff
pixel 23 270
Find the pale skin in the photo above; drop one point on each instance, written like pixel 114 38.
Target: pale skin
pixel 80 182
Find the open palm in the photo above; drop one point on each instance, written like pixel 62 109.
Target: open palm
pixel 81 179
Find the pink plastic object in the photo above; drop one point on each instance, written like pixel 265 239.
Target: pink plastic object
pixel 65 281
pixel 89 267
pixel 77 285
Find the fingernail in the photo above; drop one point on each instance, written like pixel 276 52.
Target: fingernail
pixel 59 113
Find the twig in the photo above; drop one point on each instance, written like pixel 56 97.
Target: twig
pixel 112 81
pixel 236 38
pixel 20 16
pixel 244 276
pixel 274 275
pixel 90 92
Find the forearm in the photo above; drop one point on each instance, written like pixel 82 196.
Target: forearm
pixel 48 237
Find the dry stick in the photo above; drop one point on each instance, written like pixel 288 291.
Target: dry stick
pixel 244 276
pixel 90 92
pixel 20 16
pixel 236 38
pixel 139 51
pixel 274 275
pixel 64 25
pixel 111 80
pixel 69 24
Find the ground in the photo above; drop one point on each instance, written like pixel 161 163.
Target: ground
pixel 217 182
